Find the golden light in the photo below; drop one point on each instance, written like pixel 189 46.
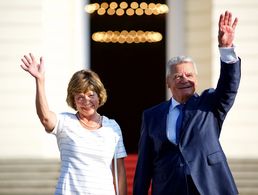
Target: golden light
pixel 132 33
pixel 101 11
pixel 143 5
pixel 130 12
pixel 163 8
pixel 127 37
pixel 152 5
pixel 148 11
pixel 139 12
pixel 104 5
pixel 91 8
pixel 113 5
pixel 119 9
pixel 111 11
pixel 123 7
pixel 134 5
pixel 120 12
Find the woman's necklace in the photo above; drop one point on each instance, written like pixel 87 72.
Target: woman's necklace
pixel 97 125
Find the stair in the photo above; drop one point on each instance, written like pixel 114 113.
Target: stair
pixel 39 176
pixel 130 164
pixel 245 172
pixel 28 176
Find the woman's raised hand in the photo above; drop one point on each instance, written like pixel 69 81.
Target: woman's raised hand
pixel 30 65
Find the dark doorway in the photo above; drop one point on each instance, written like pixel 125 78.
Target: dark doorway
pixel 133 74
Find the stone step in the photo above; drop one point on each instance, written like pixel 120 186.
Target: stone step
pixel 28 176
pixel 28 165
pixel 248 190
pixel 27 191
pixel 247 183
pixel 240 175
pixel 39 176
pixel 28 183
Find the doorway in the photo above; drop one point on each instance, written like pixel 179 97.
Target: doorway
pixel 133 73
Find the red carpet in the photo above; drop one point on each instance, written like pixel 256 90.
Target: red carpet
pixel 130 164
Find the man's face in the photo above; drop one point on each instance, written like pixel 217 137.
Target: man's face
pixel 182 81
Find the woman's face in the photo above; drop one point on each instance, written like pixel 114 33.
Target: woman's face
pixel 87 103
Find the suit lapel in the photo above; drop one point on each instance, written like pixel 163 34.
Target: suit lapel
pixel 190 111
pixel 163 121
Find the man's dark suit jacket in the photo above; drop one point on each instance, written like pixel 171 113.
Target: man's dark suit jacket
pixel 199 152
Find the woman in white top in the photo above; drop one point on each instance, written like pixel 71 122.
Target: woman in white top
pixel 88 142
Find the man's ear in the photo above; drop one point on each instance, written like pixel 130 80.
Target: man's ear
pixel 168 81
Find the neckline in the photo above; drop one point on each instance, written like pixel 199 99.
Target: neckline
pixel 86 126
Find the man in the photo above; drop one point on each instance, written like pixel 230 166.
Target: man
pixel 190 161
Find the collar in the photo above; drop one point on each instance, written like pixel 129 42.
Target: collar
pixel 174 103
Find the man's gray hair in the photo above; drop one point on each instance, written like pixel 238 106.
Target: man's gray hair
pixel 179 60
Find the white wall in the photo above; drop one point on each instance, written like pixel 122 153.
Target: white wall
pixel 54 29
pixel 240 134
pixel 198 21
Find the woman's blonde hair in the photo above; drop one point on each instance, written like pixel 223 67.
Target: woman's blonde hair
pixel 83 81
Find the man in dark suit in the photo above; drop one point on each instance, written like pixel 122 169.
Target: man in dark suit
pixel 189 160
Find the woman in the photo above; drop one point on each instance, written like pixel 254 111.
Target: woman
pixel 87 141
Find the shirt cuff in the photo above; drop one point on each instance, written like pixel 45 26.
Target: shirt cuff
pixel 228 55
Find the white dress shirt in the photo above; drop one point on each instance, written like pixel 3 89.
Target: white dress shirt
pixel 171 120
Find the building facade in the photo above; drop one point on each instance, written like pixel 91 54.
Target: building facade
pixel 57 29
